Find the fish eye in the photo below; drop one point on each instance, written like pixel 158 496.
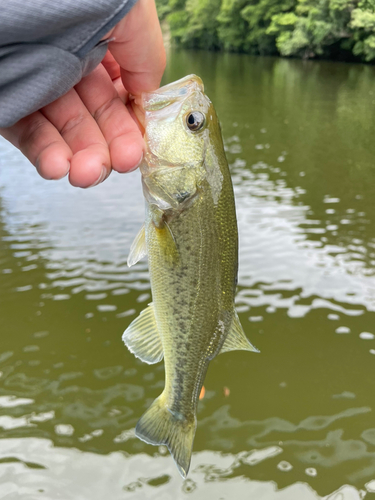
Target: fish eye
pixel 195 121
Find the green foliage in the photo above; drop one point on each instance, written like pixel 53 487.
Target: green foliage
pixel 192 22
pixel 302 28
pixel 202 27
pixel 313 29
pixel 258 15
pixel 177 23
pixel 363 22
pixel 232 27
pixel 164 8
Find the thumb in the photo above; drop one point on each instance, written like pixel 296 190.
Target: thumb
pixel 138 48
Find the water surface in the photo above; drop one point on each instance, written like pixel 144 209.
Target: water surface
pixel 296 421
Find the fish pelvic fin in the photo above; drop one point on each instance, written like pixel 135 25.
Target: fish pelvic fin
pixel 142 337
pixel 159 425
pixel 236 339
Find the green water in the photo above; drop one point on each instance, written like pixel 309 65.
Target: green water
pixel 296 422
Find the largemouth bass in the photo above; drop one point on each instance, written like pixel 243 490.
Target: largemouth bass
pixel 190 237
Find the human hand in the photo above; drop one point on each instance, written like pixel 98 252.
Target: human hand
pixel 92 128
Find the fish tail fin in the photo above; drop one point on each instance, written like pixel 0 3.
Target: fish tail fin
pixel 159 425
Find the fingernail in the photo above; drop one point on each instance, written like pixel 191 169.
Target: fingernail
pixel 137 165
pixel 52 177
pixel 101 177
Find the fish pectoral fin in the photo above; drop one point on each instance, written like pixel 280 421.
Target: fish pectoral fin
pixel 142 337
pixel 138 249
pixel 236 339
pixel 167 243
pixel 159 425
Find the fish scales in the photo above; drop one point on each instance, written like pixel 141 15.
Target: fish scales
pixel 187 306
pixel 190 237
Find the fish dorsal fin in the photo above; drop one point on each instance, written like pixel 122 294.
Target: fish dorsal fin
pixel 138 249
pixel 142 337
pixel 236 339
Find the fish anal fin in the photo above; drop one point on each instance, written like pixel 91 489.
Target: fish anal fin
pixel 159 425
pixel 138 248
pixel 142 337
pixel 236 339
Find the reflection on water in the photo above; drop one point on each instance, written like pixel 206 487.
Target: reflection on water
pixel 295 421
pixel 88 475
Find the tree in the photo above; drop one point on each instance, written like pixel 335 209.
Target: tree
pixel 363 24
pixel 259 15
pixel 297 28
pixel 314 28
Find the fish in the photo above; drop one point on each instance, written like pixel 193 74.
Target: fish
pixel 190 237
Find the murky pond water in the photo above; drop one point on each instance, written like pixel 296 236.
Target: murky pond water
pixel 295 422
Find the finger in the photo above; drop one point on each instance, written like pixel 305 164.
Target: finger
pixel 123 137
pixel 121 91
pixel 91 162
pixel 111 65
pixel 138 48
pixel 42 145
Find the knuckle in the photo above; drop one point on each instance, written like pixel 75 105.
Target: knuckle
pixel 30 133
pixel 72 123
pixel 104 109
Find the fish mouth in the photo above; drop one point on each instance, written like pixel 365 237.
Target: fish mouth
pixel 174 92
pixel 171 93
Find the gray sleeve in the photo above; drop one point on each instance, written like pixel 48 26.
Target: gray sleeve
pixel 46 47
